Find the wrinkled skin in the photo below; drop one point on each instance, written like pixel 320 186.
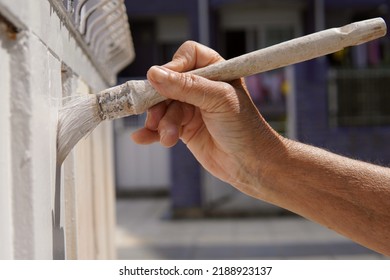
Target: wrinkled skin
pixel 216 120
pixel 223 129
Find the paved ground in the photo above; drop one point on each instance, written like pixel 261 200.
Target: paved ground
pixel 144 233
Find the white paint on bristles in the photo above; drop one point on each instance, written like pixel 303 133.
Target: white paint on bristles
pixel 78 118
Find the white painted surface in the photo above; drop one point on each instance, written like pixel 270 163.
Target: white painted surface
pixel 41 20
pixel 21 141
pixel 39 67
pixel 33 122
pixel 5 156
pixel 46 91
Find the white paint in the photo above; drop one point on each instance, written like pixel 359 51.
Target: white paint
pixel 46 91
pixel 69 84
pixel 31 86
pixel 41 20
pixel 89 191
pixel 21 141
pixel 76 120
pixel 33 125
pixel 5 156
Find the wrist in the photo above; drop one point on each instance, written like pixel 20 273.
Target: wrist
pixel 262 164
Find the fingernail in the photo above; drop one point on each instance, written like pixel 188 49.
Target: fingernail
pixel 158 74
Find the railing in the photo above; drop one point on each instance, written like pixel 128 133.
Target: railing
pixel 101 28
pixel 359 97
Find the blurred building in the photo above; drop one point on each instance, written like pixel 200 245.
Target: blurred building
pixel 340 102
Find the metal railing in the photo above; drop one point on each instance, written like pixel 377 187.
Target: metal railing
pixel 102 30
pixel 359 97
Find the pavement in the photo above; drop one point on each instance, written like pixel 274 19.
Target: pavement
pixel 144 232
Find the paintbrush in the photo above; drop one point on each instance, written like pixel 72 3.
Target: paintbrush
pixel 81 115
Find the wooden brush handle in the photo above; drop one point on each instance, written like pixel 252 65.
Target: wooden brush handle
pixel 295 50
pixel 142 96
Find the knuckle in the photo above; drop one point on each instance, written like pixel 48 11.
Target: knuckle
pixel 188 43
pixel 188 83
pixel 185 55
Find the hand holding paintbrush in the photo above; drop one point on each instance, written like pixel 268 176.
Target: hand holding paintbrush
pixel 81 115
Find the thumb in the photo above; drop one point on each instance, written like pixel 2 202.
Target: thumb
pixel 189 88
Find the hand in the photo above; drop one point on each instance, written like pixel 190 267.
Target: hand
pixel 229 137
pixel 216 120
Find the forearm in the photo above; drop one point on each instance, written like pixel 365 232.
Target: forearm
pixel 223 129
pixel 348 196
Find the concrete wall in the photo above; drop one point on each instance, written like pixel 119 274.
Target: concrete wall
pixel 48 211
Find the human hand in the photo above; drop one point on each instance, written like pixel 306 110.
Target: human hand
pixel 216 120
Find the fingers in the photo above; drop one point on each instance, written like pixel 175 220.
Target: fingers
pixel 164 123
pixel 203 93
pixel 149 134
pixel 170 125
pixel 192 55
pixel 145 136
pixel 155 114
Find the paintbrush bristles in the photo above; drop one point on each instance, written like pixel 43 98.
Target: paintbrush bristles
pixel 75 120
pixel 83 114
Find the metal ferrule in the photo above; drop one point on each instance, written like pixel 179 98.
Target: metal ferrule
pixel 115 102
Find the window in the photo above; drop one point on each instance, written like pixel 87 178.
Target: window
pixel 276 34
pixel 359 97
pixel 268 90
pixel 359 85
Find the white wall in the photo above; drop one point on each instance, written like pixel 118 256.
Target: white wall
pixel 5 156
pixel 29 133
pixel 42 219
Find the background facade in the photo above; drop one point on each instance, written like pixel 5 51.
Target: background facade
pixel 339 102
